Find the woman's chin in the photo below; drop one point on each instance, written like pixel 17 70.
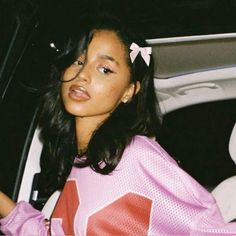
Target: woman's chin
pixel 76 113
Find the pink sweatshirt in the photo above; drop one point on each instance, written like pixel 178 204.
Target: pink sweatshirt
pixel 147 194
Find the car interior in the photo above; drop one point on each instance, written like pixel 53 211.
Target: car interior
pixel 195 82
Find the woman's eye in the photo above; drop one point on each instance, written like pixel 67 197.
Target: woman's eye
pixel 105 70
pixel 78 62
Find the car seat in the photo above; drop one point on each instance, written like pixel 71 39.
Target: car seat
pixel 50 204
pixel 32 167
pixel 27 192
pixel 225 192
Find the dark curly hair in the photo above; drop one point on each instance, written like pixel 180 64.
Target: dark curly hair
pixel 140 116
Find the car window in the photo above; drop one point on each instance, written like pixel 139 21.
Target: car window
pixel 8 36
pixel 9 27
pixel 21 101
pixel 198 137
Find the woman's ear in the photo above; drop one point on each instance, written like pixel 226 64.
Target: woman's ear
pixel 131 91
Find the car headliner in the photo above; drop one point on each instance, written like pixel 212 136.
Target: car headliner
pixel 194 69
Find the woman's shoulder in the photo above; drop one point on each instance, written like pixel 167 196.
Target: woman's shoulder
pixel 147 146
pixel 152 160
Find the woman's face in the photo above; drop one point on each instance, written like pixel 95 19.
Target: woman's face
pixel 102 78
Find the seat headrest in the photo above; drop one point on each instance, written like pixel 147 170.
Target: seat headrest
pixel 232 144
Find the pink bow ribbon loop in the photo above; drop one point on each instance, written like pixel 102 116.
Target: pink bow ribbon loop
pixel 144 51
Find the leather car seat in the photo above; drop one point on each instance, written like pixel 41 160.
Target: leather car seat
pixel 225 192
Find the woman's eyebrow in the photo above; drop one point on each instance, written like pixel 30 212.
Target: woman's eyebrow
pixel 106 57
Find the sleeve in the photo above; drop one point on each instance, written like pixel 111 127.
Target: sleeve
pixel 207 219
pixel 24 220
pixel 181 206
pixel 209 222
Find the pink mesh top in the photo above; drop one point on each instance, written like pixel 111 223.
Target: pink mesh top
pixel 147 194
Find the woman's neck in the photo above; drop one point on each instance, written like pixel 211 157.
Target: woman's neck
pixel 85 127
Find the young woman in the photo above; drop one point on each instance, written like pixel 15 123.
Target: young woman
pixel 98 123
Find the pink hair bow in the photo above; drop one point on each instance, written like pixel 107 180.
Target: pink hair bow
pixel 145 52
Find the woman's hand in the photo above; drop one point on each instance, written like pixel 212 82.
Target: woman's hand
pixel 6 205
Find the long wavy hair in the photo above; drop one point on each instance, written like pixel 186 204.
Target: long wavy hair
pixel 140 116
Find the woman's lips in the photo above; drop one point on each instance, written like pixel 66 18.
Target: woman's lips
pixel 78 93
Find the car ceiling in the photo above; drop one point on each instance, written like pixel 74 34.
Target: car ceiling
pixel 183 55
pixel 194 69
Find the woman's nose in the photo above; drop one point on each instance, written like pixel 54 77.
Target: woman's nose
pixel 84 74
